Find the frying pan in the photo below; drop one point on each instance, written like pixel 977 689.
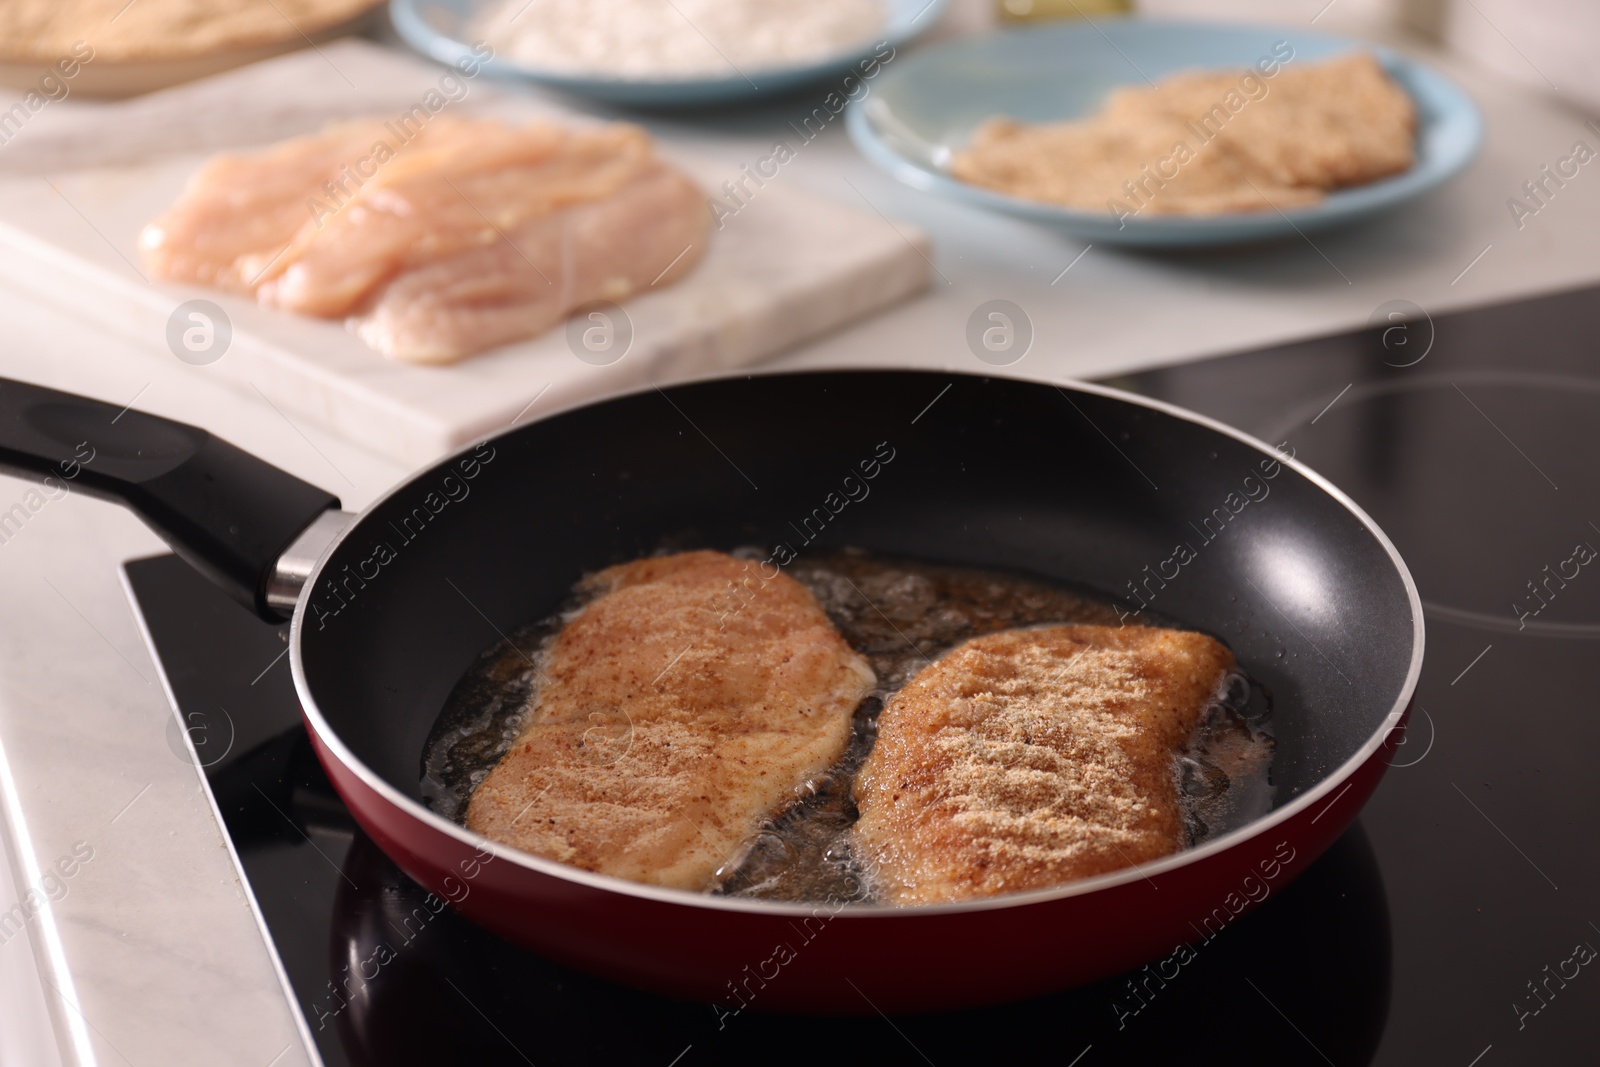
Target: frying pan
pixel 1077 482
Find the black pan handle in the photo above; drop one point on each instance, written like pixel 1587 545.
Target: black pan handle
pixel 229 514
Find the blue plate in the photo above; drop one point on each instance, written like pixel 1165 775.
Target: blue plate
pixel 926 106
pixel 436 28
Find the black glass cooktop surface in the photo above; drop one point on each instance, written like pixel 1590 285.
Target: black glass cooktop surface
pixel 1453 924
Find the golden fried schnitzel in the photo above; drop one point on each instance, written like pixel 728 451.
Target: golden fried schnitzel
pixel 1028 758
pixel 675 713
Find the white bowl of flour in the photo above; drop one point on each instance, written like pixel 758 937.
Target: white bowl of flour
pixel 667 53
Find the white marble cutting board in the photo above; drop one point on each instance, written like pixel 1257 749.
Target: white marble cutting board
pixel 787 267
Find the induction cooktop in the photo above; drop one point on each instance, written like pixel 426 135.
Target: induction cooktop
pixel 1453 924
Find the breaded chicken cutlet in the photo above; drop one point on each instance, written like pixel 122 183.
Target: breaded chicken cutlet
pixel 1028 758
pixel 675 713
pixel 1207 142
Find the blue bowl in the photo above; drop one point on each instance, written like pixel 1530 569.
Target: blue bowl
pixel 926 106
pixel 437 28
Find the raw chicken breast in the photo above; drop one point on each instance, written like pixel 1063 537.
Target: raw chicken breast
pixel 238 211
pixel 455 238
pixel 647 233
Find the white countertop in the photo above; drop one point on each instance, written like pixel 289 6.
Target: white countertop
pixel 152 956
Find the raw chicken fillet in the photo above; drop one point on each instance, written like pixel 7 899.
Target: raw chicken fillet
pixel 464 235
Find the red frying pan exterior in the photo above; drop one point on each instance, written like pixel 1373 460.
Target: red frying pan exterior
pixel 853 960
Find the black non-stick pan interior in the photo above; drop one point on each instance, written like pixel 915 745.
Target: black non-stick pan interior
pixel 1065 483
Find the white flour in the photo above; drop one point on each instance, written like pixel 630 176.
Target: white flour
pixel 675 38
